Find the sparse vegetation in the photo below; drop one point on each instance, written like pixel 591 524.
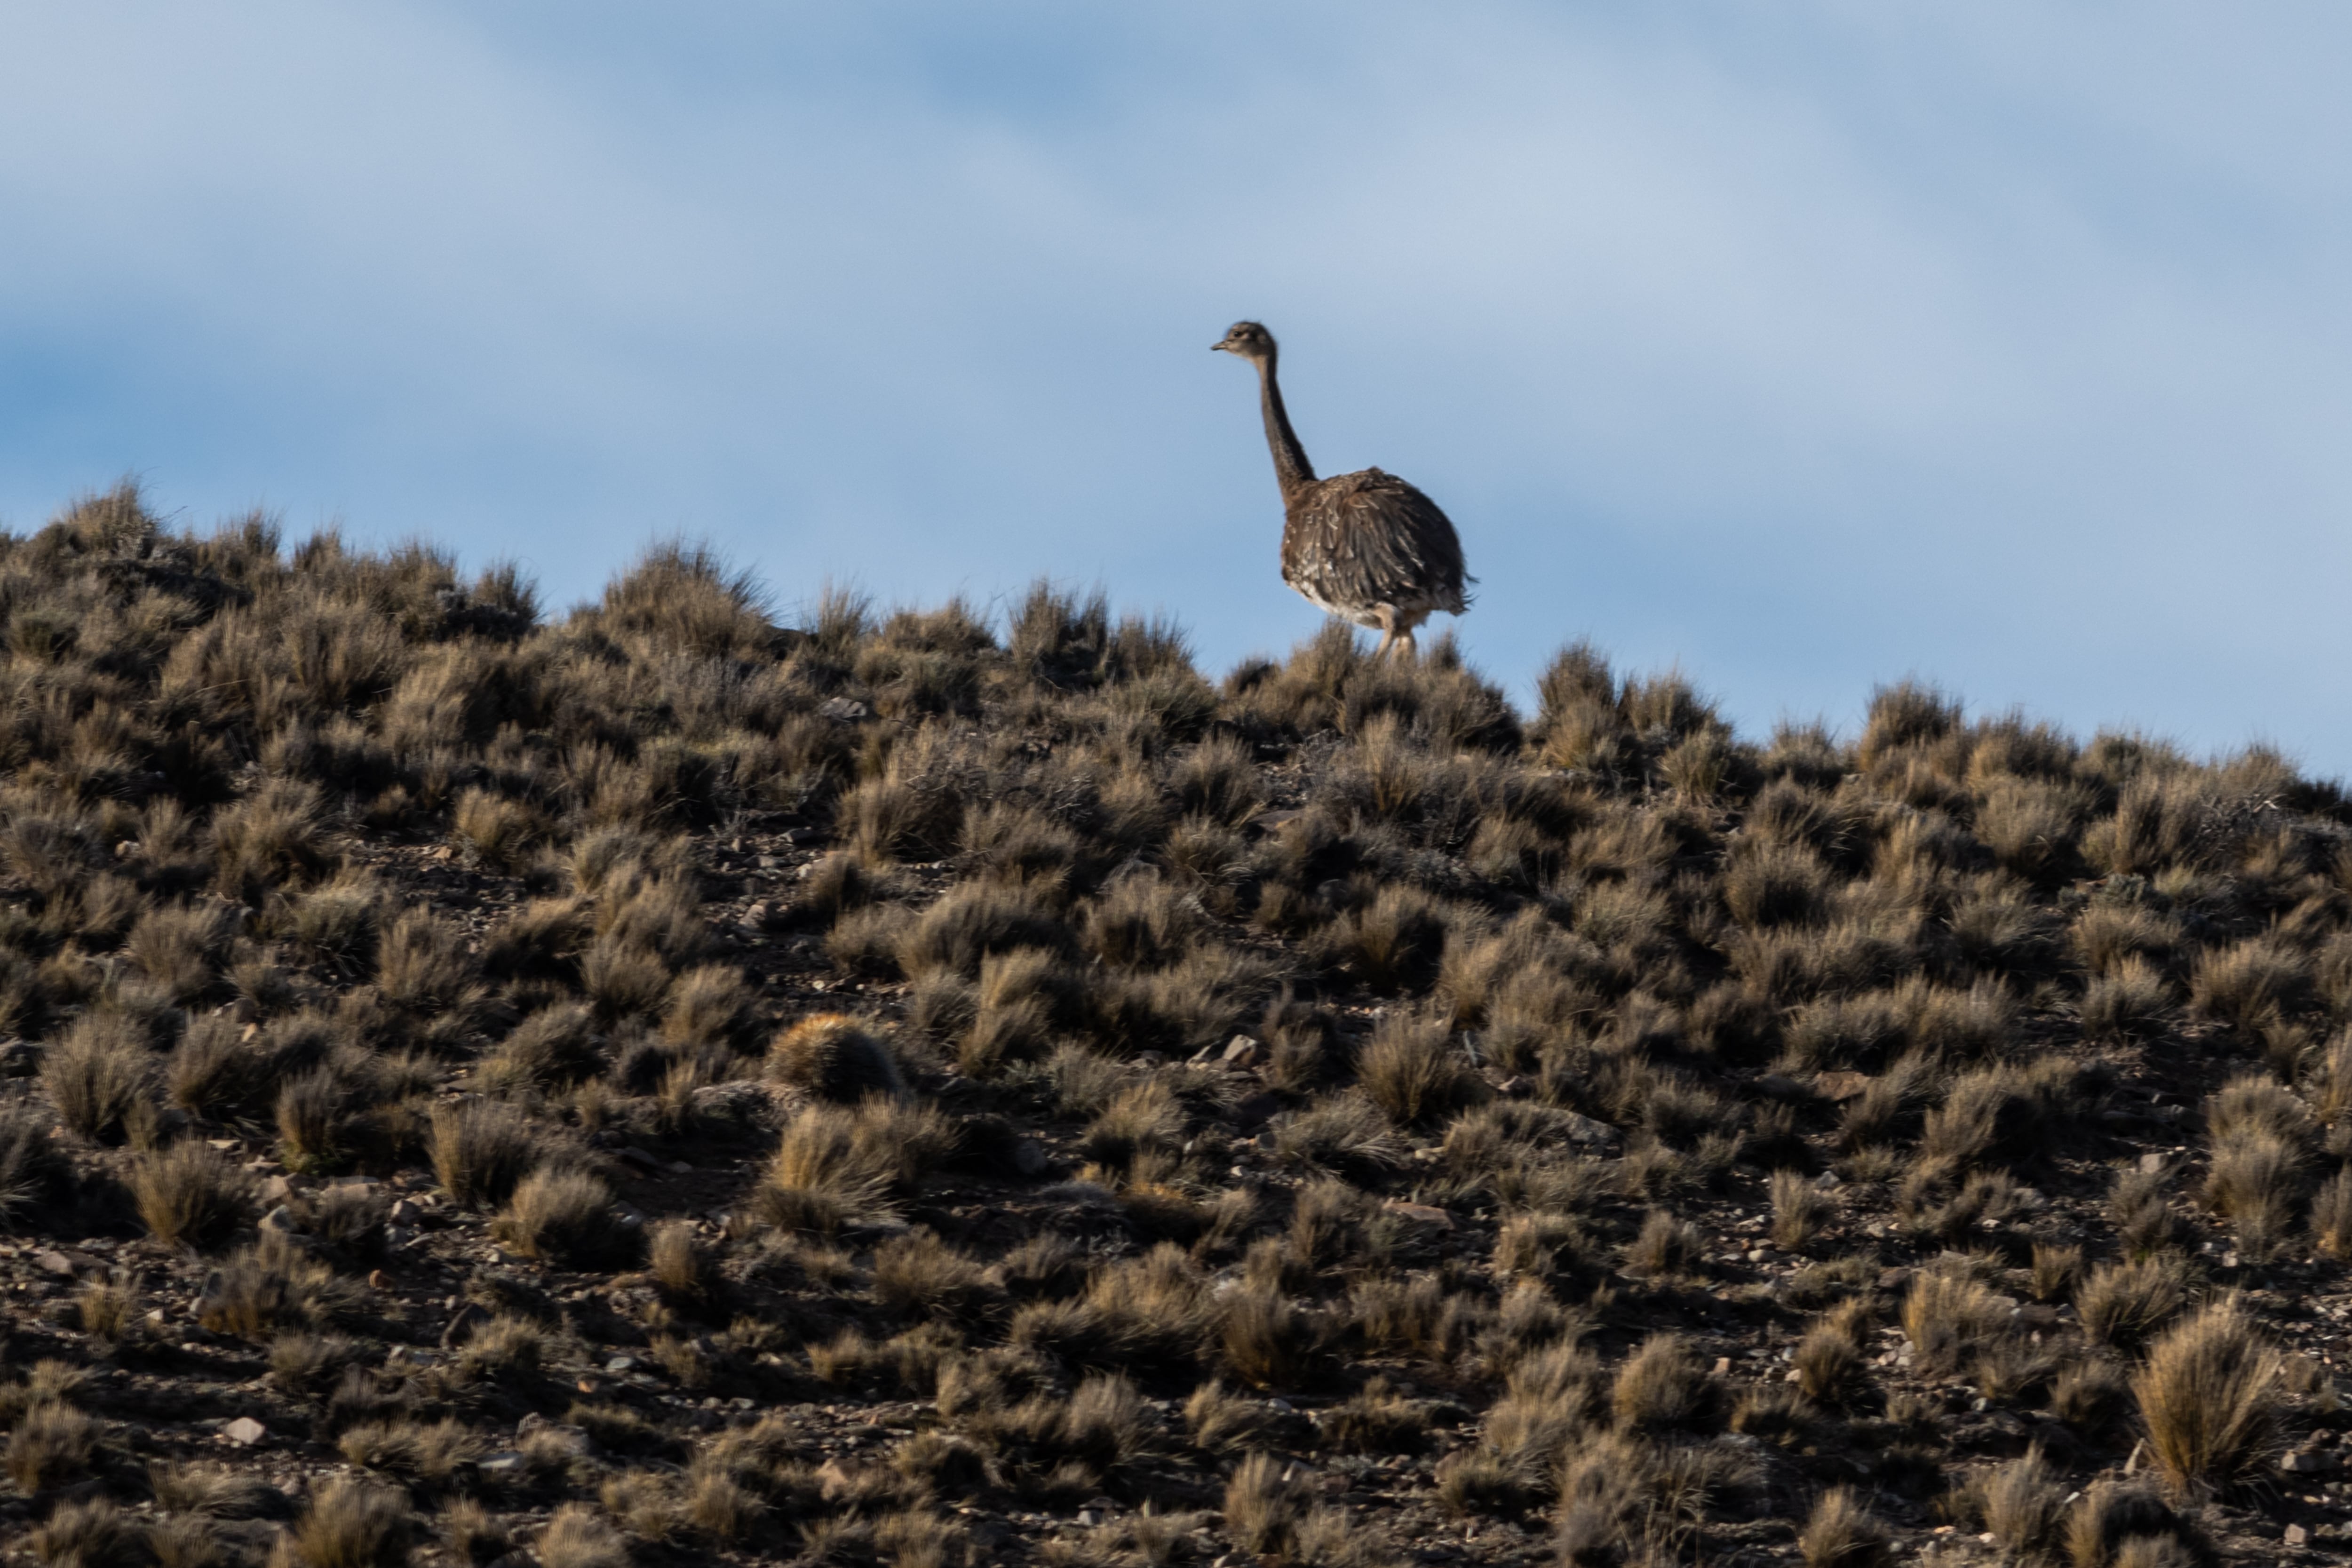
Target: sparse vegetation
pixel 899 1090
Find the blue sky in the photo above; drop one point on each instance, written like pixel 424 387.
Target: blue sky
pixel 1803 346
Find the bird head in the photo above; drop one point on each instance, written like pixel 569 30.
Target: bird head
pixel 1248 339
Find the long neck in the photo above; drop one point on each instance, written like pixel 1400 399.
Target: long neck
pixel 1291 468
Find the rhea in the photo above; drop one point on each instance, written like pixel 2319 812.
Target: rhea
pixel 1367 546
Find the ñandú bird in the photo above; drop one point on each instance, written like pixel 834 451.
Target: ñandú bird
pixel 1366 547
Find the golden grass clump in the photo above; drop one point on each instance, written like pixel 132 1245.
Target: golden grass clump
pixel 2210 1398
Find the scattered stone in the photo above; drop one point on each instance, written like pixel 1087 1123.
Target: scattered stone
pixel 244 1431
pixel 1029 1159
pixel 53 1262
pixel 505 1462
pixel 1584 1131
pixel 280 1220
pixel 1242 1051
pixel 2151 1162
pixel 843 709
pixel 2297 1535
pixel 1424 1214
pixel 622 1365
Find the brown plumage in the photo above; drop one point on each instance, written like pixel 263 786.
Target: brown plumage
pixel 1366 547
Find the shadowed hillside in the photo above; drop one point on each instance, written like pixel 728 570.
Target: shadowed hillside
pixel 661 1087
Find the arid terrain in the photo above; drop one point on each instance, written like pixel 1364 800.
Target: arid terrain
pixel 656 1085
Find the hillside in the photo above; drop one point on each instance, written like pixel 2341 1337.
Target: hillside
pixel 660 1087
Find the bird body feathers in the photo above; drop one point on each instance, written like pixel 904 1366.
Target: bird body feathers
pixel 1370 547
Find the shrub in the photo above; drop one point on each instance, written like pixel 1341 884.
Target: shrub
pixel 2123 1303
pixel 1411 1070
pixel 1947 1316
pixel 565 1216
pixel 1263 1505
pixel 2021 1502
pixel 502 834
pixel 834 1057
pixel 1843 1533
pixel 270 1285
pixel 99 1533
pixel 100 1075
pixel 1660 1385
pixel 33 1172
pixel 709 1005
pixel 52 1442
pixel 354 1524
pixel 482 1150
pixel 179 947
pixel 835 1166
pixel 2209 1396
pixel 189 1195
pixel 1799 1210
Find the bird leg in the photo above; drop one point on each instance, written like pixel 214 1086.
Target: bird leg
pixel 1398 624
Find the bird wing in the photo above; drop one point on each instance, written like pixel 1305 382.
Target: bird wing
pixel 1370 537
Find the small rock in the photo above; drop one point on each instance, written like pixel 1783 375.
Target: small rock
pixel 1585 1131
pixel 2297 1535
pixel 505 1462
pixel 622 1365
pixel 1424 1214
pixel 757 917
pixel 277 1190
pixel 1029 1159
pixel 1893 1278
pixel 244 1431
pixel 1241 1051
pixel 2151 1162
pixel 53 1262
pixel 842 709
pixel 279 1219
pixel 403 1211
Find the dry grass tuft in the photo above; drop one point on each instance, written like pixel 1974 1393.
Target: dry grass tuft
pixel 2210 1398
pixel 351 1523
pixel 834 1057
pixel 482 1150
pixel 189 1195
pixel 566 1217
pixel 1843 1533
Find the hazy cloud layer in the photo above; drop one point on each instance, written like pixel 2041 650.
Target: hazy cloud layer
pixel 1805 346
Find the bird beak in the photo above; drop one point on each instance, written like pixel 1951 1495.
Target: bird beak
pixel 1214 347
